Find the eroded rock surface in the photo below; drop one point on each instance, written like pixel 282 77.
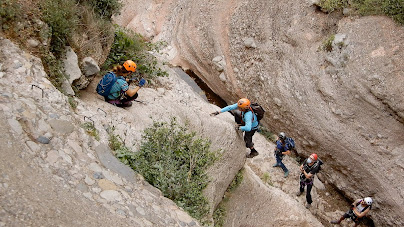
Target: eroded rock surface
pixel 346 104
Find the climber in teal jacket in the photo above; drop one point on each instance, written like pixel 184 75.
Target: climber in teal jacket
pixel 246 121
pixel 250 121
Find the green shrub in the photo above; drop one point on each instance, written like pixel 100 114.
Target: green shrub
pixel 332 5
pixel 219 215
pixel 394 9
pixel 327 44
pixel 119 148
pixel 105 8
pixel 127 45
pixel 61 16
pixel 174 160
pixel 73 103
pixel 236 181
pixel 91 130
pixel 10 12
pixel 54 69
pixel 130 45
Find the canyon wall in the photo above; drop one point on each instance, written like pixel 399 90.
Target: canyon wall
pixel 344 103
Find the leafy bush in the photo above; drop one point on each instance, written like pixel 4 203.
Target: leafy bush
pixel 73 103
pixel 54 69
pixel 91 130
pixel 61 16
pixel 392 8
pixel 130 45
pixel 332 5
pixel 9 13
pixel 105 8
pixel 116 145
pixel 175 161
pixel 219 215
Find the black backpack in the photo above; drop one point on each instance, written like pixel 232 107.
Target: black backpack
pixel 258 110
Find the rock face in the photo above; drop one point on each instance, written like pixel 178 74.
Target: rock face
pixel 67 157
pixel 67 179
pixel 269 205
pixel 347 104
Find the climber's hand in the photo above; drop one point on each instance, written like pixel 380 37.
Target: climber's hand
pixel 142 82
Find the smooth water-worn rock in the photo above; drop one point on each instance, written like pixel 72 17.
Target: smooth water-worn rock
pixel 331 102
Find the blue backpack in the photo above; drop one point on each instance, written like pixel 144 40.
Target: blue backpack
pixel 291 143
pixel 106 83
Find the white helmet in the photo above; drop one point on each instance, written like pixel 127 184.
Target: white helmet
pixel 368 201
pixel 282 136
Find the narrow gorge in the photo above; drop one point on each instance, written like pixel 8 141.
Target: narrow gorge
pixel 332 81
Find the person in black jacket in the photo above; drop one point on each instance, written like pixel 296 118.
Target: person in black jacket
pixel 309 168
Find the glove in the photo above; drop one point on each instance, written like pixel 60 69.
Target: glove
pixel 214 113
pixel 142 82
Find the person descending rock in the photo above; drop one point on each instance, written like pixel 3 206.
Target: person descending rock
pixel 248 122
pixel 359 209
pixel 309 167
pixel 115 85
pixel 281 149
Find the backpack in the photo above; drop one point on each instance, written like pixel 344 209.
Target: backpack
pixel 320 162
pixel 353 215
pixel 258 110
pixel 106 83
pixel 291 143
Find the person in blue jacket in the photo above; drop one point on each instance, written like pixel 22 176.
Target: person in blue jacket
pixel 248 122
pixel 281 149
pixel 121 95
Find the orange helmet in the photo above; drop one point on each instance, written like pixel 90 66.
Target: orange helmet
pixel 130 66
pixel 243 103
pixel 314 156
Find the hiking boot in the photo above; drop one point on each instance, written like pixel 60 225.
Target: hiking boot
pixel 126 104
pixel 286 174
pixel 275 165
pixel 308 205
pixel 299 193
pixel 334 222
pixel 252 154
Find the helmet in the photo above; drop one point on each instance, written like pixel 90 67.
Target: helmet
pixel 130 66
pixel 282 136
pixel 315 157
pixel 243 103
pixel 368 201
